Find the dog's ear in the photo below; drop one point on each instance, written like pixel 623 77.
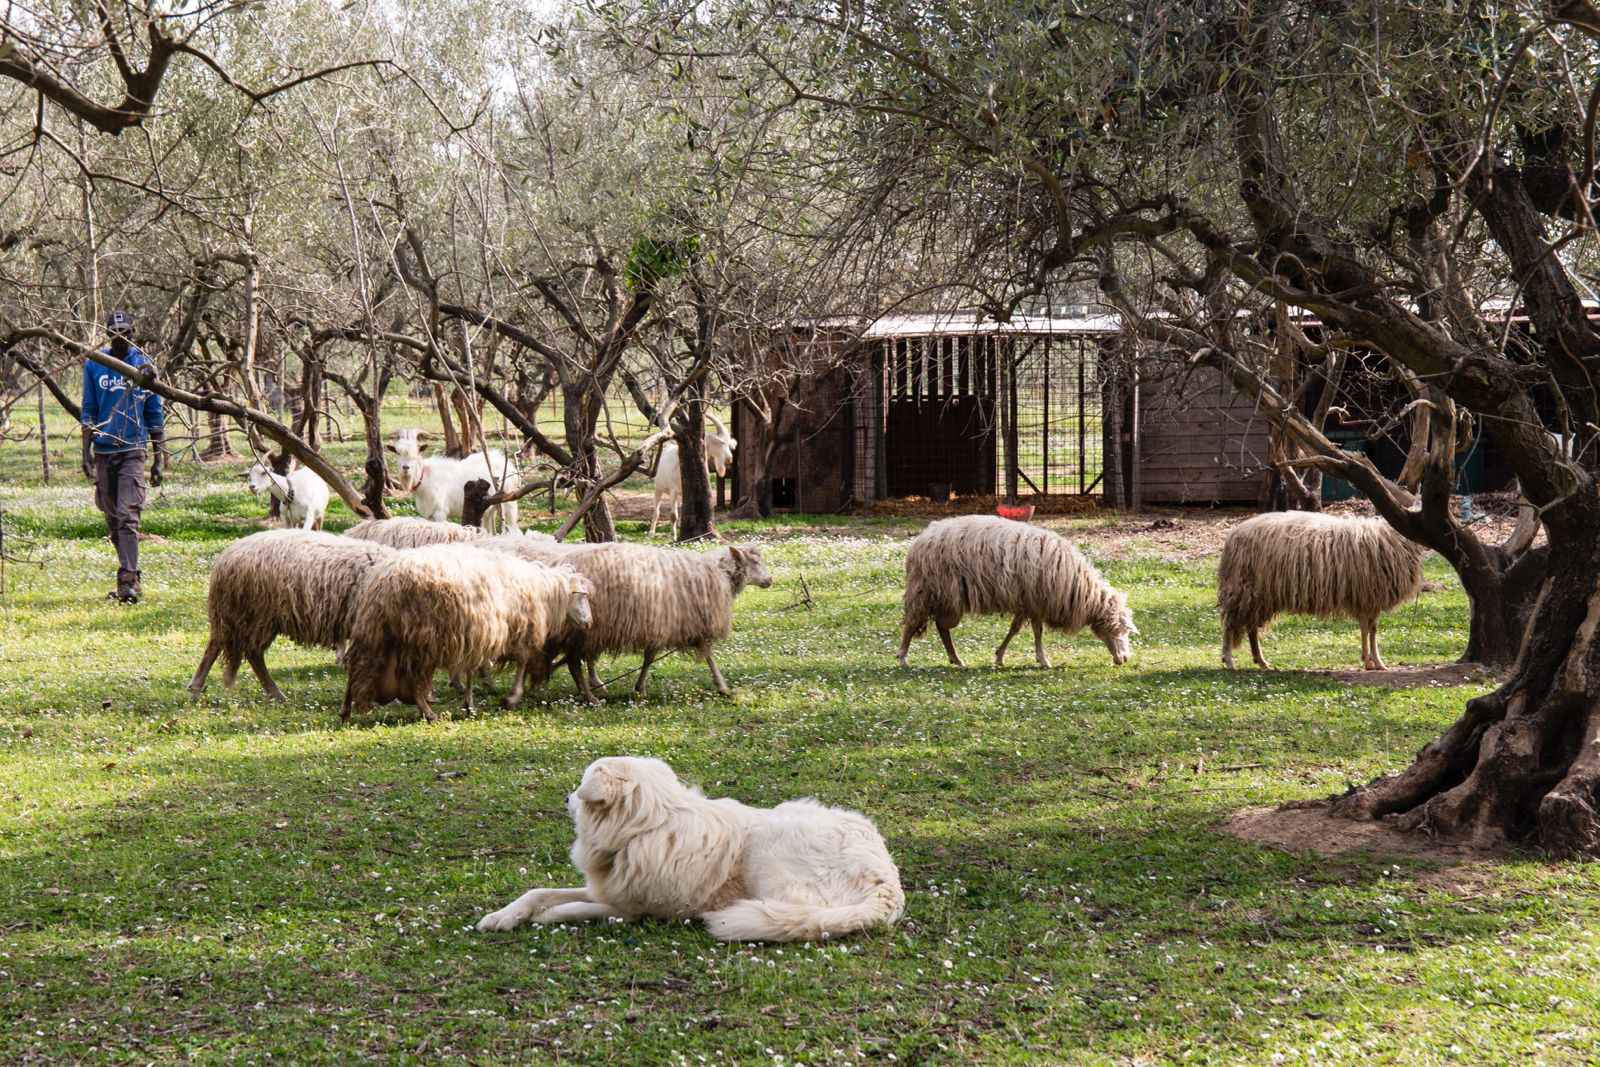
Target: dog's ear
pixel 601 787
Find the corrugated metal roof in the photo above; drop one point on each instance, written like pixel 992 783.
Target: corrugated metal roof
pixel 967 324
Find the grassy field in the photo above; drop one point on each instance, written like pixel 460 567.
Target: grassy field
pixel 238 881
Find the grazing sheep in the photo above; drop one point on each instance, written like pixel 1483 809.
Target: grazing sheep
pixel 439 484
pixel 651 600
pixel 407 532
pixel 302 492
pixel 454 608
pixel 412 533
pixel 1304 563
pixel 983 565
pixel 299 583
pixel 669 475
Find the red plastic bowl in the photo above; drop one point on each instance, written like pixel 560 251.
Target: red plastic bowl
pixel 1020 512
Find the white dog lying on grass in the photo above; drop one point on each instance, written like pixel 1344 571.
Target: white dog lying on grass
pixel 649 845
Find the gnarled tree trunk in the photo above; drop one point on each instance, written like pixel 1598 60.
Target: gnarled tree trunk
pixel 1523 762
pixel 695 511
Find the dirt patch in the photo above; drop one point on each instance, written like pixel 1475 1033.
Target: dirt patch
pixel 1407 676
pixel 1314 828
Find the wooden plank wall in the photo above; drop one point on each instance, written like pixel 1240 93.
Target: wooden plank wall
pixel 1201 442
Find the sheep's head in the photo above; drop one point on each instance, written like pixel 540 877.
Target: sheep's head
pixel 1118 631
pixel 747 562
pixel 579 614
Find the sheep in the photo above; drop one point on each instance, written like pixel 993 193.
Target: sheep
pixel 455 608
pixel 983 565
pixel 302 492
pixel 412 533
pixel 651 600
pixel 299 583
pixel 669 476
pixel 1304 563
pixel 405 532
pixel 439 484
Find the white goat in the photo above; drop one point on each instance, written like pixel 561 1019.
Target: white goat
pixel 439 484
pixel 669 474
pixel 302 493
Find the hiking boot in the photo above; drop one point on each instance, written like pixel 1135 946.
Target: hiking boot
pixel 128 588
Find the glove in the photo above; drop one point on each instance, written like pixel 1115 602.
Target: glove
pixel 88 457
pixel 158 455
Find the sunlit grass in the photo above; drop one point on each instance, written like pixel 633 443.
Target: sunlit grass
pixel 236 879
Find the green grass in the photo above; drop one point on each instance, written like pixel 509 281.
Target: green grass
pixel 241 881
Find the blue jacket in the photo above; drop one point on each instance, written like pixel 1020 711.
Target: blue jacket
pixel 121 415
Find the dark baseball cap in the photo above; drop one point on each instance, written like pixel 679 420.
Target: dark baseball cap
pixel 119 322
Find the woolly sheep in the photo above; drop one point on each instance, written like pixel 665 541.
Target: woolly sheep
pixel 439 484
pixel 302 492
pixel 983 565
pixel 651 600
pixel 455 608
pixel 299 583
pixel 412 533
pixel 1304 563
pixel 669 475
pixel 405 532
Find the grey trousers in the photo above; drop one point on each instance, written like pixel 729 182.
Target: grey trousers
pixel 119 493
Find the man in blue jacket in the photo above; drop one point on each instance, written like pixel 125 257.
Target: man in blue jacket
pixel 120 421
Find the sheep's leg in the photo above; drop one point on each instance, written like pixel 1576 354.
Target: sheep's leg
pixel 644 674
pixel 344 705
pixel 1230 641
pixel 1038 644
pixel 949 646
pixel 470 708
pixel 258 664
pixel 338 653
pixel 905 641
pixel 423 706
pixel 594 675
pixel 515 694
pixel 580 680
pixel 197 684
pixel 1377 660
pixel 1000 653
pixel 1255 650
pixel 716 675
pixel 230 670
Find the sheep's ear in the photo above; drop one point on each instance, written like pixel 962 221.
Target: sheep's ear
pixel 734 554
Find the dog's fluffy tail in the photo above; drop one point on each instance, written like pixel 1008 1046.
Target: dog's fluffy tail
pixel 784 920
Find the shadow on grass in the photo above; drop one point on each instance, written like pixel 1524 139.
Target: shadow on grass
pixel 312 874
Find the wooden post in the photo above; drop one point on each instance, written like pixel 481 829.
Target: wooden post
pixel 1111 435
pixel 44 437
pixel 1135 488
pixel 1010 408
pixel 1083 465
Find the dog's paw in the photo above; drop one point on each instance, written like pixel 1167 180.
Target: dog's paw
pixel 504 919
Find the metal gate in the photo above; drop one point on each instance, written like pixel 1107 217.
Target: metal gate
pixel 980 413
